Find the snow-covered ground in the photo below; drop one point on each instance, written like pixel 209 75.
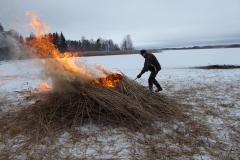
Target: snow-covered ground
pixel 207 91
pixel 15 74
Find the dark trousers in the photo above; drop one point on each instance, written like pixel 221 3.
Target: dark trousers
pixel 152 80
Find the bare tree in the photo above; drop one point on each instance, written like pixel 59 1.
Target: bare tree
pixel 127 43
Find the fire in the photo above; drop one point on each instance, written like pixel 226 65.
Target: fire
pixel 42 44
pixel 43 86
pixel 109 81
pixel 64 67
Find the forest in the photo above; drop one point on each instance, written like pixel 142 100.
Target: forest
pixel 12 44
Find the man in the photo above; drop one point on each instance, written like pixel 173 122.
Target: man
pixel 151 63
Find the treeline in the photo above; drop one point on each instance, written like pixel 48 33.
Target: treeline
pixel 11 37
pixel 205 47
pixel 83 44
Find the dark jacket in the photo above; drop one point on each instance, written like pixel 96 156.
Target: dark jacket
pixel 151 63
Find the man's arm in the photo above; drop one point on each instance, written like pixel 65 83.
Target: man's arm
pixel 147 64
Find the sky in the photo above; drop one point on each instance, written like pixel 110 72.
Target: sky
pixel 152 24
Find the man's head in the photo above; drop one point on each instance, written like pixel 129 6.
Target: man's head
pixel 143 52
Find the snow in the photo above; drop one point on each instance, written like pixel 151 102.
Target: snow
pixel 173 58
pixel 15 74
pixel 219 90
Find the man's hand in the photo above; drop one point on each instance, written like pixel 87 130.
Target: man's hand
pixel 139 76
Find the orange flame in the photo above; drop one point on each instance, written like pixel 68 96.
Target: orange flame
pixel 109 81
pixel 43 86
pixel 41 44
pixel 64 67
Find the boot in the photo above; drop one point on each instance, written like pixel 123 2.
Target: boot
pixel 150 85
pixel 158 89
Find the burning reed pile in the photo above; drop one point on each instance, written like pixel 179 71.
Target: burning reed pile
pixel 128 104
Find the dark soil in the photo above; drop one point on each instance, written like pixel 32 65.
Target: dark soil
pixel 218 67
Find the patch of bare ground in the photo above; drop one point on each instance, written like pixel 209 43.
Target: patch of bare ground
pixel 125 122
pixel 218 67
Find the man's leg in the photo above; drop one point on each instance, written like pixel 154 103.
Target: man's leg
pixel 159 88
pixel 156 84
pixel 151 79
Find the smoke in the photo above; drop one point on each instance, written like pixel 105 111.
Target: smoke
pixel 10 48
pixel 64 73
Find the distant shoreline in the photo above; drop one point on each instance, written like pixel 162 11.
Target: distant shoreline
pixel 204 47
pixel 218 67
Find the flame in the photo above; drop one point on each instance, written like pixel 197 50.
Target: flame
pixel 109 80
pixel 62 67
pixel 42 44
pixel 43 86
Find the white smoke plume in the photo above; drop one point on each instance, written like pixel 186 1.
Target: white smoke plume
pixel 10 47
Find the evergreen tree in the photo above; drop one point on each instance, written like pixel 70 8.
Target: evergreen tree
pixel 1 28
pixel 83 39
pixel 87 45
pixel 50 37
pixel 97 46
pixel 56 40
pixel 63 43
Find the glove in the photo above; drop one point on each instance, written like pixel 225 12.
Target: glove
pixel 139 76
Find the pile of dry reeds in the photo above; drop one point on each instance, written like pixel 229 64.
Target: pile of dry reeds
pixel 129 105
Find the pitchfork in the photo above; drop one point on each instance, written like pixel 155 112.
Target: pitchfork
pixel 134 79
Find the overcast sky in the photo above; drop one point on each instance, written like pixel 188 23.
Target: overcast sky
pixel 151 24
